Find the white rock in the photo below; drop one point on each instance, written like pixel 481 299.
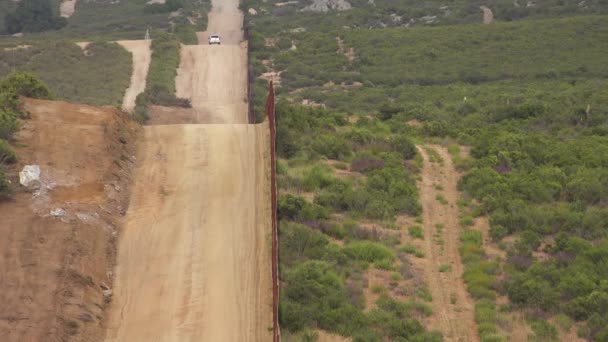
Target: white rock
pixel 58 212
pixel 30 177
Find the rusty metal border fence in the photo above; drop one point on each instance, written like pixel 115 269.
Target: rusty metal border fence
pixel 250 77
pixel 270 114
pixel 269 111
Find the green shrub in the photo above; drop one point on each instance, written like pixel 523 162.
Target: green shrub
pixel 369 251
pixel 7 155
pixel 5 186
pixel 318 177
pixel 416 232
pixel 297 208
pixel 24 84
pixel 160 83
pixel 8 124
pixel 331 146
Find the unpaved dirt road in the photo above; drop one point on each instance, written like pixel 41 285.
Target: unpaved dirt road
pixel 488 16
pixel 194 261
pixel 453 309
pixel 214 77
pixel 67 8
pixel 142 55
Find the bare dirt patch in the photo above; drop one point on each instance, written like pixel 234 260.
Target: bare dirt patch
pixel 453 309
pixel 142 55
pixel 67 8
pixel 194 257
pixel 488 16
pixel 214 78
pixel 53 266
pixel 327 337
pixel 348 53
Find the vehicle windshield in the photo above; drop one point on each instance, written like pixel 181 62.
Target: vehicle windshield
pixel 215 36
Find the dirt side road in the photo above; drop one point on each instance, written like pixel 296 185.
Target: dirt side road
pixel 453 309
pixel 67 8
pixel 142 55
pixel 488 16
pixel 194 258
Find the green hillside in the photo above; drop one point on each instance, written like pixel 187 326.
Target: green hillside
pixel 528 97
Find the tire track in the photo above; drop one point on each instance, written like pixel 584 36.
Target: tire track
pixel 453 309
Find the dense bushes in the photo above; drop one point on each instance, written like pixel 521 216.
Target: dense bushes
pixel 33 16
pixel 68 70
pixel 316 294
pixel 160 83
pixel 322 281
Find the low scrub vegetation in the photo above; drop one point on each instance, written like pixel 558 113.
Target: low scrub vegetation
pixel 160 84
pixel 277 15
pixel 66 68
pixel 323 281
pixel 528 98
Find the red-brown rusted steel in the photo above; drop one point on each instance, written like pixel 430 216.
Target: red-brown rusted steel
pixel 270 114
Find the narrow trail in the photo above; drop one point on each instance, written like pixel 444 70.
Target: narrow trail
pixel 142 55
pixel 453 309
pixel 488 16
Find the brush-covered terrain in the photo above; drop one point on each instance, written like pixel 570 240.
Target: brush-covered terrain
pixel 521 107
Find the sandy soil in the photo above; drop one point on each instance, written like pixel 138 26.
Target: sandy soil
pixel 225 19
pixel 83 45
pixel 67 8
pixel 327 337
pixel 194 258
pixel 52 267
pixel 214 78
pixel 488 16
pixel 455 321
pixel 140 49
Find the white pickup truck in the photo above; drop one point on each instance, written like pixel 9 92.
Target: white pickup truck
pixel 214 39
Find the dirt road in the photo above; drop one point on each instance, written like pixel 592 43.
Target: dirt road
pixel 488 16
pixel 194 258
pixel 142 55
pixel 453 309
pixel 194 261
pixel 214 77
pixel 67 8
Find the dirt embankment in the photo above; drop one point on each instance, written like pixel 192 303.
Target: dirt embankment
pixel 453 309
pixel 55 265
pixel 142 55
